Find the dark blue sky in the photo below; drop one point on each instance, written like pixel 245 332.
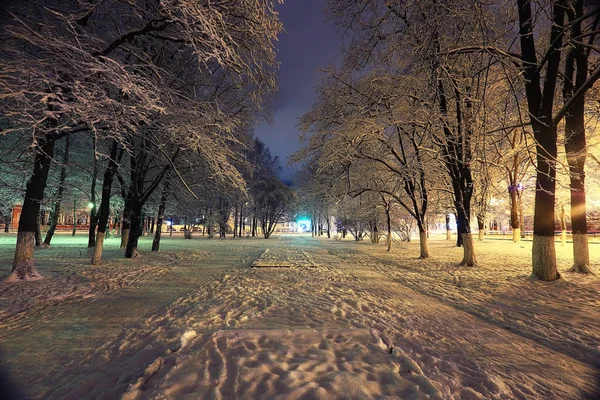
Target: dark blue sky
pixel 308 44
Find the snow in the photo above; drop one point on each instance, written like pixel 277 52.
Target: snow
pixel 310 318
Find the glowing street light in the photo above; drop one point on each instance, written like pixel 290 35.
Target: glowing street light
pixel 303 225
pixel 91 205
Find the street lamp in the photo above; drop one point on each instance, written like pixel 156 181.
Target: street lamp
pixel 91 205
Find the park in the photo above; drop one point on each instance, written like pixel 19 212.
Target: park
pixel 316 199
pixel 317 318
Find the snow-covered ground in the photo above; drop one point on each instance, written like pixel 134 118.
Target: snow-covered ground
pixel 309 318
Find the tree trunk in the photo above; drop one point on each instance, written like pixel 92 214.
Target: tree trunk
pixel 448 230
pixel 135 229
pixel 93 221
pixel 93 217
pixel 576 73
pixel 74 217
pixel 459 238
pixel 388 222
pixel 244 226
pixel 464 231
pixel 7 223
pixel 423 243
pixel 374 233
pixel 241 220
pixel 55 213
pixel 38 232
pixel 109 230
pixel 126 222
pixel 159 220
pixel 23 264
pixel 235 221
pixel 104 212
pixel 514 213
pixel 481 227
pixel 152 226
pixel 187 229
pixel 469 258
pixel 540 106
pixel 543 251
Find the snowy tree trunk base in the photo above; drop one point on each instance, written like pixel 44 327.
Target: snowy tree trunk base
pixel 423 245
pixel 23 268
pixel 469 258
pixel 481 235
pixel 124 238
pixel 544 258
pixel 563 238
pixel 97 256
pixel 581 254
pixel 516 235
pixel 448 234
pixel 389 242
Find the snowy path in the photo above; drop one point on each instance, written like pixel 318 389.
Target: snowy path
pixel 48 324
pixel 325 327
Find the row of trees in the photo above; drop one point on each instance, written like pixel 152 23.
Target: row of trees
pixel 166 92
pixel 435 102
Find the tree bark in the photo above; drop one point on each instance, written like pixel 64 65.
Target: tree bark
pixel 374 233
pixel 74 217
pixel 23 263
pixel 241 220
pixel 388 221
pixel 59 196
pixel 515 221
pixel 93 217
pixel 126 222
pixel 448 230
pixel 159 220
pixel 135 229
pixel 38 231
pixel 576 74
pixel 469 258
pixel 235 220
pixel 481 228
pixel 423 244
pixel 104 212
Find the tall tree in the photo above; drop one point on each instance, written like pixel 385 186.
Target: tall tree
pixel 274 200
pixel 584 19
pixel 55 213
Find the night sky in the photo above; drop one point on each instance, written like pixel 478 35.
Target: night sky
pixel 309 43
